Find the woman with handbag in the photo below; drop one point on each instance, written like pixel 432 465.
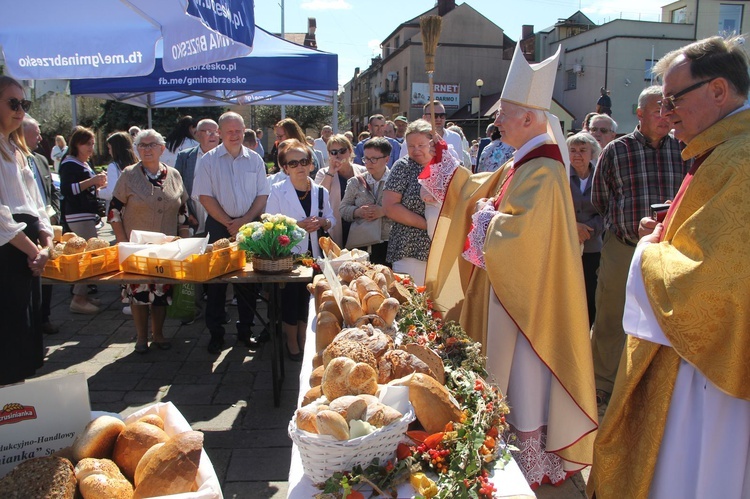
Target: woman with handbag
pixel 149 196
pixel 298 197
pixel 362 204
pixel 80 204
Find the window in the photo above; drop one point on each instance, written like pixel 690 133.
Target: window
pixel 730 19
pixel 406 78
pixel 679 16
pixel 397 43
pixel 572 79
pixel 648 69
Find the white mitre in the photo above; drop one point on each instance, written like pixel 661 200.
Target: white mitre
pixel 531 86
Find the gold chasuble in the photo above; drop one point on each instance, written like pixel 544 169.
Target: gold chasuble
pixel 533 262
pixel 698 284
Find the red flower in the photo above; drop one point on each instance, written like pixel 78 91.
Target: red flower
pixel 402 451
pixel 284 240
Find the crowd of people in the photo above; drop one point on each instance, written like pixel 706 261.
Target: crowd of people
pixel 602 274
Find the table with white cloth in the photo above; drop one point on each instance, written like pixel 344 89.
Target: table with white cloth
pixel 509 482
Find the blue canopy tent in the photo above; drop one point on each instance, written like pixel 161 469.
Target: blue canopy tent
pixel 277 72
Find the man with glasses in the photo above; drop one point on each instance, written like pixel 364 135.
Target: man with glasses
pixel 376 126
pixel 603 128
pixel 677 425
pixel 634 171
pixel 231 185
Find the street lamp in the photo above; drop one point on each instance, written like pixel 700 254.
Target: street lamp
pixel 480 84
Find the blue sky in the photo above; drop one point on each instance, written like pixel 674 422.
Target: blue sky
pixel 353 29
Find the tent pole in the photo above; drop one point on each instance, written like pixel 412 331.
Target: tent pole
pixel 335 118
pixel 73 109
pixel 149 116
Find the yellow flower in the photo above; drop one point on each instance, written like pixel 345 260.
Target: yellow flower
pixel 423 485
pixel 280 227
pixel 268 225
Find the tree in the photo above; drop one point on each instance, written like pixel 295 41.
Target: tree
pixel 116 116
pixel 307 117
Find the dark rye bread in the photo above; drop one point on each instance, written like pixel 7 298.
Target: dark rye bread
pixel 40 478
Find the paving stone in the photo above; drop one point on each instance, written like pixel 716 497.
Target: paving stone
pixel 240 438
pixel 251 465
pixel 255 490
pixel 180 394
pixel 215 419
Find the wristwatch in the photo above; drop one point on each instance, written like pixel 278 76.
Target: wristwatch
pixel 330 174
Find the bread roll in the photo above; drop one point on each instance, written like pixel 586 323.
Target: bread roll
pixel 329 247
pixel 98 438
pixel 318 359
pixel 133 442
pixel 373 320
pixel 343 376
pixel 332 423
pixel 349 349
pixel 153 419
pixel 57 233
pixel 221 243
pixel 388 310
pixel 57 251
pixel 380 415
pixel 40 478
pixel 386 271
pixel 320 285
pixel 144 461
pixel 432 402
pixel 68 236
pixel 369 399
pixel 351 270
pixel 351 310
pixel 363 286
pixel 74 246
pixel 327 326
pixel 172 469
pixel 396 364
pixel 382 283
pixel 362 379
pixel 331 307
pixel 349 406
pixel 306 419
pixel 316 377
pixel 372 301
pixel 102 479
pixel 96 243
pixel 312 394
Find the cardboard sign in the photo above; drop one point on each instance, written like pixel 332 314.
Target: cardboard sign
pixel 40 417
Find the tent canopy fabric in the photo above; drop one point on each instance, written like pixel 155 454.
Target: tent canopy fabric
pixel 278 72
pixel 115 38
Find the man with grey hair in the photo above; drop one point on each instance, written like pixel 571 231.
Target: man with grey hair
pixel 321 143
pixel 231 185
pixel 677 425
pixel 603 128
pixel 376 126
pixel 634 171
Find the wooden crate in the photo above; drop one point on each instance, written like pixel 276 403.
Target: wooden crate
pixel 82 265
pixel 196 268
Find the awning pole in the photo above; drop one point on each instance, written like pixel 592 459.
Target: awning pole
pixel 335 118
pixel 73 109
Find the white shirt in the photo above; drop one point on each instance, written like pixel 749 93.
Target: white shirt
pixel 320 145
pixel 18 194
pixel 233 182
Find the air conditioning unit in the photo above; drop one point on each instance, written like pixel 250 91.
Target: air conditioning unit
pixel 578 69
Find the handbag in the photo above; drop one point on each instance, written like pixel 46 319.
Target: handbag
pixel 183 302
pixel 363 233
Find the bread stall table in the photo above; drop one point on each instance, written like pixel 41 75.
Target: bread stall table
pixel 272 283
pixel 509 482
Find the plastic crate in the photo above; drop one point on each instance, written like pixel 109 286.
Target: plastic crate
pixel 197 268
pixel 82 265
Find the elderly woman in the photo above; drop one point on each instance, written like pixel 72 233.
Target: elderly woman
pixel 298 197
pixel 149 196
pixel 24 227
pixel 584 149
pixel 409 243
pixel 80 207
pixel 334 178
pixel 363 199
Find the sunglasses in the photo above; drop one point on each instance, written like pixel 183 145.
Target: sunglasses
pixel 601 129
pixel 437 115
pixel 23 104
pixel 338 152
pixel 294 163
pixel 669 102
pixel 373 160
pixel 150 145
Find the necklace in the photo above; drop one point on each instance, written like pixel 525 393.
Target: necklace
pixel 307 192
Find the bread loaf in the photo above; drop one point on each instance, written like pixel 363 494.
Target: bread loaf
pixel 316 377
pixel 372 301
pixel 368 336
pixel 388 310
pixel 333 309
pixel 380 415
pixel 74 246
pixel 172 468
pixel 144 461
pixel 57 233
pixel 68 236
pixel 333 424
pixel 349 406
pixel 306 419
pixel 329 247
pixel 153 419
pixel 351 270
pixel 343 376
pixel 351 310
pixel 98 438
pixel 350 349
pixel 221 244
pixel 396 364
pixel 96 243
pixel 386 271
pixel 370 320
pixel 320 285
pixel 432 402
pixel 133 442
pixel 326 328
pixel 48 477
pixel 312 395
pixel 398 291
pixel 102 479
pixel 363 286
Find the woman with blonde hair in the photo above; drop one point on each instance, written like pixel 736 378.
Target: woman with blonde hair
pixel 58 151
pixel 25 243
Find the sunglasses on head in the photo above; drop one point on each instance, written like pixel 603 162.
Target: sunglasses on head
pixel 23 104
pixel 294 163
pixel 336 152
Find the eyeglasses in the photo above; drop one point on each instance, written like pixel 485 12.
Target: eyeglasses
pixel 601 129
pixel 373 160
pixel 209 132
pixel 294 163
pixel 338 152
pixel 437 115
pixel 23 104
pixel 149 145
pixel 669 102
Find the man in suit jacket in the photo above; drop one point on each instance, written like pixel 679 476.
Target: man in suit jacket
pixel 51 197
pixel 207 134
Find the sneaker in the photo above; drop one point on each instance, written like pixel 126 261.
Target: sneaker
pixel 49 328
pixel 216 345
pixel 87 308
pixel 127 310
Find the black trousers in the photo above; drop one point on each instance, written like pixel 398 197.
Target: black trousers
pixel 21 344
pixel 590 269
pixel 216 295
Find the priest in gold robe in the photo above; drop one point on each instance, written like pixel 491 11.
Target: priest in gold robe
pixel 506 263
pixel 678 423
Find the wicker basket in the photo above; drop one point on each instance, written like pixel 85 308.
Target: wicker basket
pixel 272 266
pixel 321 457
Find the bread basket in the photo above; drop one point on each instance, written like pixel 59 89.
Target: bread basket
pixel 322 457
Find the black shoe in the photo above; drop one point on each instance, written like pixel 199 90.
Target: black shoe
pixel 294 357
pixel 262 337
pixel 216 345
pixel 227 318
pixel 93 289
pixel 49 328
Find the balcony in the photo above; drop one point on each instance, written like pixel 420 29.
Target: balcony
pixel 389 98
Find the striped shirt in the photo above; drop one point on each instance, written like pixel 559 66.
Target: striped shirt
pixel 630 176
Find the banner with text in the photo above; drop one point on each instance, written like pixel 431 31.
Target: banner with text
pixel 447 93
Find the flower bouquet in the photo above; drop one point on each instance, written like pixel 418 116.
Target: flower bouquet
pixel 270 242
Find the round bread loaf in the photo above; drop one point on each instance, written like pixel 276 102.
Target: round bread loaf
pixel 351 270
pixel 68 236
pixel 396 364
pixel 133 442
pixel 221 243
pixel 102 479
pixel 48 477
pixel 57 251
pixel 172 468
pixel 343 376
pixel 74 246
pixel 98 438
pixel 368 336
pixel 96 243
pixel 316 377
pixel 350 349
